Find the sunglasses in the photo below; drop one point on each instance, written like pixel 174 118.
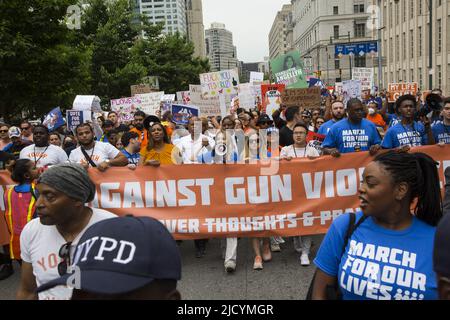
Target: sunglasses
pixel 3 131
pixel 320 122
pixel 25 128
pixel 64 254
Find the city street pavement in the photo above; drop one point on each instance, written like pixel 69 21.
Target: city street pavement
pixel 205 279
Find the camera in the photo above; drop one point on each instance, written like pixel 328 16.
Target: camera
pixel 434 102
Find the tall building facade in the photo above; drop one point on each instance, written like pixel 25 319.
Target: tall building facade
pixel 281 33
pixel 220 50
pixel 172 13
pixel 320 25
pixel 406 42
pixel 195 27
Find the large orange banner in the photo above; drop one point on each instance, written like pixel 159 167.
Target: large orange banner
pixel 301 197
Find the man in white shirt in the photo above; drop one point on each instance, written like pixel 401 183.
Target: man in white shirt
pixel 196 143
pixel 42 152
pixel 47 243
pixel 93 153
pixel 300 149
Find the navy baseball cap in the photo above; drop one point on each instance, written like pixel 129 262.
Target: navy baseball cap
pixel 120 255
pixel 441 256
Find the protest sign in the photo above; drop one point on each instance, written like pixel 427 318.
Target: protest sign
pixel 256 77
pixel 222 82
pixel 182 113
pixel 351 89
pixel 207 201
pixel 207 106
pixel 149 102
pixel 271 98
pixel 87 103
pixel 304 98
pixel 140 89
pixel 247 96
pixel 183 97
pixel 168 98
pixel 396 90
pixel 75 118
pixel 126 107
pixel 288 70
pixel 152 81
pixel 366 76
pixel 53 120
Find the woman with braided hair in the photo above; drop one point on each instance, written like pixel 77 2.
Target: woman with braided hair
pixel 385 252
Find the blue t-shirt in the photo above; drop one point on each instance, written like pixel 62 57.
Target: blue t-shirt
pixel 393 119
pixel 132 158
pixel 378 263
pixel 325 128
pixel 346 137
pixel 441 133
pixel 403 135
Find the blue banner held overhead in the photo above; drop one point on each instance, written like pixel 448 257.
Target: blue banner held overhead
pixel 182 113
pixel 54 119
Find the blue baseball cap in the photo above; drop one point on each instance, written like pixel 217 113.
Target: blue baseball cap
pixel 120 255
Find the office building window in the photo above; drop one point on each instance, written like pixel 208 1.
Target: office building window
pixel 358 8
pixel 411 44
pixel 360 30
pixel 439 35
pixel 335 10
pixel 360 62
pixel 336 32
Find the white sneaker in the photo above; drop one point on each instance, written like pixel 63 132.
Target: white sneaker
pixel 304 260
pixel 230 266
pixel 275 247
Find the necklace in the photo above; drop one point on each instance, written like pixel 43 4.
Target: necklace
pixel 42 154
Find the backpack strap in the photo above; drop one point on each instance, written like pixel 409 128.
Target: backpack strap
pixel 351 229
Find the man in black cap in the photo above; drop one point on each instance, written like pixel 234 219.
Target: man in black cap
pixel 264 122
pixel 441 257
pixel 126 258
pixel 47 243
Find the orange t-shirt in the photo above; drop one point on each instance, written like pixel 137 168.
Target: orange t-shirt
pixel 378 120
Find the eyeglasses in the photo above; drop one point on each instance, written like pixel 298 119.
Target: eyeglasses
pixel 64 253
pixel 3 131
pixel 319 122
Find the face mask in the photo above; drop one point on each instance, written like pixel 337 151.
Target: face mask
pixel 371 111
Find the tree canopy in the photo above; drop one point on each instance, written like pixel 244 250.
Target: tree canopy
pixel 44 63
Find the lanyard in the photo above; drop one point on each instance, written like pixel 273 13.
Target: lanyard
pixel 42 154
pixel 295 152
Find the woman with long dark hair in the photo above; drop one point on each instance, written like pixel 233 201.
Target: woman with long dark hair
pixel 385 252
pixel 159 149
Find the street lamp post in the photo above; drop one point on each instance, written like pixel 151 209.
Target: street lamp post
pixel 430 47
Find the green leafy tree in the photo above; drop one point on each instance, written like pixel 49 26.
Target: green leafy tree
pixel 39 70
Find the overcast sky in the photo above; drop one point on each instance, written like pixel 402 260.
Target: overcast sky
pixel 249 20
